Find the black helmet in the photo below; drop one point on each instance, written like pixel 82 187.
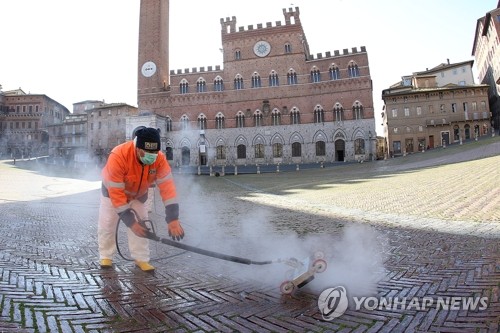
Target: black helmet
pixel 134 133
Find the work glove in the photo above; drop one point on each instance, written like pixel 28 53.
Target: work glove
pixel 175 230
pixel 129 218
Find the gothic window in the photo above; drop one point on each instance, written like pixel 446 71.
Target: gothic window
pixel 169 124
pixel 258 118
pixel 319 115
pixel 353 69
pixel 259 150
pixel 218 84
pixel 334 72
pixel 201 85
pixel 202 122
pixel 240 120
pixel 315 75
pixel 256 83
pixel 338 112
pixel 357 110
pixel 294 117
pixel 241 151
pixel 238 82
pixel 184 87
pixel 291 77
pixel 221 152
pixel 276 117
pixel 320 148
pixel 277 150
pixel 288 48
pixel 273 79
pixel 184 122
pixel 237 55
pixel 359 146
pixel 219 121
pixel 296 149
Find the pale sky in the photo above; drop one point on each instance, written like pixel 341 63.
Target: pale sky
pixel 77 50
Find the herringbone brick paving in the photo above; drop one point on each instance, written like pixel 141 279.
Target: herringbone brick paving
pixel 434 218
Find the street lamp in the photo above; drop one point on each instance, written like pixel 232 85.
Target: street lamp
pixel 370 143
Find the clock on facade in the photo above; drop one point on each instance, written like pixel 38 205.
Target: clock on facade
pixel 262 48
pixel 148 69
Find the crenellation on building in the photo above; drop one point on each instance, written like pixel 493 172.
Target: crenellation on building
pixel 269 87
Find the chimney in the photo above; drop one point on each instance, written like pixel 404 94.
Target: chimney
pixel 448 61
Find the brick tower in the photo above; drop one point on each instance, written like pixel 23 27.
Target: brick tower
pixel 153 65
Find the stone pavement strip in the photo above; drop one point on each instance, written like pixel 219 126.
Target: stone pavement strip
pixel 425 227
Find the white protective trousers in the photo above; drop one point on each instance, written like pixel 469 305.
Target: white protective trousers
pixel 106 231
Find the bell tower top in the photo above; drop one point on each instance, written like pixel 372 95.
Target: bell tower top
pixel 153 68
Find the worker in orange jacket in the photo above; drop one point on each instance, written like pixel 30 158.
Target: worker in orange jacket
pixel 132 167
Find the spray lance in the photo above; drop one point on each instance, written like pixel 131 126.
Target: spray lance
pixel 303 271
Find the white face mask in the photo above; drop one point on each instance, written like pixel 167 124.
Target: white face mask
pixel 148 158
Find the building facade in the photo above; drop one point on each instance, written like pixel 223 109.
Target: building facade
pixel 25 122
pixel 270 102
pixel 435 108
pixel 486 52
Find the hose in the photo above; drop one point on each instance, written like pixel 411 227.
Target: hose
pixel 150 234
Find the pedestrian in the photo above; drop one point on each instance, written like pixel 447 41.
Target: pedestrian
pixel 132 167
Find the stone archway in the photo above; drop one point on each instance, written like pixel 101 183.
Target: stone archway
pixel 339 150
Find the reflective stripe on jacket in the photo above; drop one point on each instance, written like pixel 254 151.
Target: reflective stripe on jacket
pixel 125 178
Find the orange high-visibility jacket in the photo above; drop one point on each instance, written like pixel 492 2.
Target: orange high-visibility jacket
pixel 125 178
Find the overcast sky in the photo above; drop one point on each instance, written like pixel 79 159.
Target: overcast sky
pixel 82 50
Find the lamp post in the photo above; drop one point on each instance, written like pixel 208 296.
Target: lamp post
pixel 370 143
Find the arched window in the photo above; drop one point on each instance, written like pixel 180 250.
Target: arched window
pixel 357 110
pixel 238 82
pixel 319 115
pixel 467 131
pixel 240 120
pixel 359 146
pixel 202 122
pixel 241 151
pixel 258 118
pixel 169 124
pixel 219 121
pixel 320 148
pixel 291 77
pixel 353 69
pixel 259 150
pixel 184 122
pixel 294 117
pixel 256 83
pixel 315 75
pixel 277 150
pixel 288 48
pixel 184 86
pixel 237 55
pixel 169 153
pixel 334 72
pixel 338 112
pixel 276 117
pixel 201 85
pixel 218 84
pixel 273 79
pixel 296 149
pixel 221 152
pixel 456 133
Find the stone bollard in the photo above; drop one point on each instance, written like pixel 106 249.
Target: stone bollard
pixel 199 170
pixel 258 169
pixel 211 171
pixel 297 168
pixel 277 168
pixel 235 170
